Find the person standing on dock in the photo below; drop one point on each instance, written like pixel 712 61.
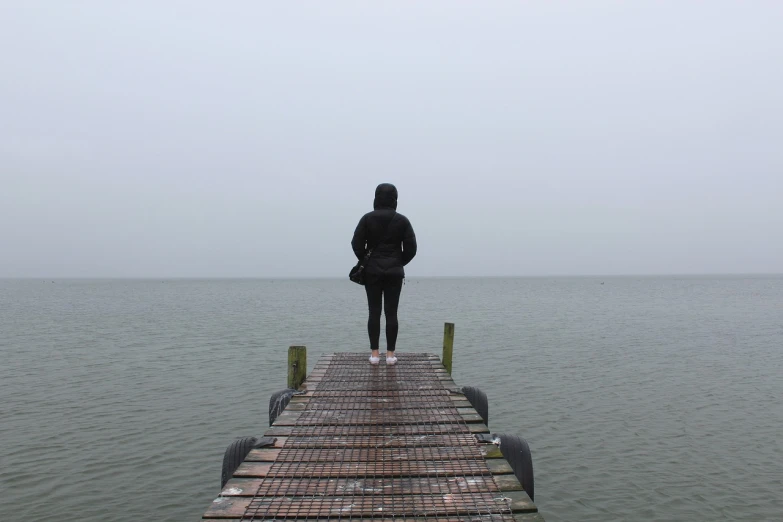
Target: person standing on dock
pixel 391 237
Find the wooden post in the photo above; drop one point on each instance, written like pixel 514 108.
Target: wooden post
pixel 448 345
pixel 297 366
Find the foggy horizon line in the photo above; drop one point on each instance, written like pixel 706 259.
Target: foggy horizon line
pixel 468 276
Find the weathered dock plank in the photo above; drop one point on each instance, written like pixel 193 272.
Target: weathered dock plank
pixel 363 431
pixel 302 404
pixel 367 506
pixel 448 468
pixel 353 454
pixel 365 417
pixel 376 443
pixel 244 487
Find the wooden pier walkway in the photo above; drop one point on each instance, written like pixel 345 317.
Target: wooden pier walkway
pixel 376 442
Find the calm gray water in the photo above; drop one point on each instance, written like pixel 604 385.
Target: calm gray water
pixel 641 398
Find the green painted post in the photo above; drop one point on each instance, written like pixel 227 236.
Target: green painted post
pixel 297 366
pixel 448 345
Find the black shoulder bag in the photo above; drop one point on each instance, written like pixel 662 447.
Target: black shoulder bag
pixel 357 272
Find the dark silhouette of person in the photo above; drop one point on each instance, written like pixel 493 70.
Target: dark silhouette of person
pixel 391 237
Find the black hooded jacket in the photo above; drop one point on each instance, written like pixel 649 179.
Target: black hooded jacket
pixel 393 247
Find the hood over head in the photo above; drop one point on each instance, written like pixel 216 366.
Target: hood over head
pixel 385 196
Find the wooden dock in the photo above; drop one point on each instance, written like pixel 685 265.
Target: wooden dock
pixel 376 442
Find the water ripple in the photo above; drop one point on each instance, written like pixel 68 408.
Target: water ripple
pixel 654 399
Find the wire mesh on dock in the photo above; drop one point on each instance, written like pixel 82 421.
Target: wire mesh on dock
pixel 379 442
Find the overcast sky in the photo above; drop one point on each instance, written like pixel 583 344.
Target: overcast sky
pixel 201 138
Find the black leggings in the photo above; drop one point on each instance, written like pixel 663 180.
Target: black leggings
pixel 389 290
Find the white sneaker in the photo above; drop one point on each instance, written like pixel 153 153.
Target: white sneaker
pixel 391 361
pixel 374 360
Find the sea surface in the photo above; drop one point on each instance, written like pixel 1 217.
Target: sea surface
pixel 642 398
